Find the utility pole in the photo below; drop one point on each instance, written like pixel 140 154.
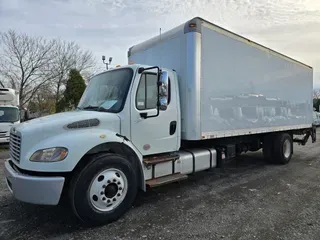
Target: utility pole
pixel 107 64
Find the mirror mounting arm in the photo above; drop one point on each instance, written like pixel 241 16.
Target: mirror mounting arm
pixel 162 81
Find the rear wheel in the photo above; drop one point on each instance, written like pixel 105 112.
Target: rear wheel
pixel 278 148
pixel 103 190
pixel 283 148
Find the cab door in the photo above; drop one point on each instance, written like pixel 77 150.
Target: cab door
pixel 154 134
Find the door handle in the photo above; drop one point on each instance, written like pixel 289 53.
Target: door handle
pixel 173 127
pixel 144 115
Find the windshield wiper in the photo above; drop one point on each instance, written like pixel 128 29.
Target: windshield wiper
pixel 102 109
pixel 95 108
pixel 91 108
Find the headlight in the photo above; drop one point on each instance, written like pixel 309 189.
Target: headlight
pixel 50 155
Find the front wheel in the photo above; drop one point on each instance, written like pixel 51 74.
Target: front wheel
pixel 103 190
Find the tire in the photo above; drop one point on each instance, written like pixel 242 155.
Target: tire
pixel 108 180
pixel 282 148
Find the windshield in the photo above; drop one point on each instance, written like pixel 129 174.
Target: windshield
pixel 107 91
pixel 8 114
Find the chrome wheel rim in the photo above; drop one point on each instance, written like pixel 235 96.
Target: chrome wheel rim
pixel 286 148
pixel 108 189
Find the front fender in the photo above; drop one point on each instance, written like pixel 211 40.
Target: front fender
pixel 78 143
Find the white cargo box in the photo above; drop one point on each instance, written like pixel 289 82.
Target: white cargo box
pixel 9 96
pixel 229 85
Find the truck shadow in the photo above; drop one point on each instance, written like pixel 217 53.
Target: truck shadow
pixel 58 221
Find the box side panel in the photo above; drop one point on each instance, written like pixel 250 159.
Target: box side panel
pixel 246 90
pixel 178 53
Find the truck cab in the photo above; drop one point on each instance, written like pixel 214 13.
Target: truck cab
pixel 124 115
pixel 131 94
pixel 9 112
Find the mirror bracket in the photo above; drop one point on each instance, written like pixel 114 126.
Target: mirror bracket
pixel 162 84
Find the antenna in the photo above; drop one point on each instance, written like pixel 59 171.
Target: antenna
pixel 160 50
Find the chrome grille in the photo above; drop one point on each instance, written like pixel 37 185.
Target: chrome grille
pixel 3 134
pixel 14 145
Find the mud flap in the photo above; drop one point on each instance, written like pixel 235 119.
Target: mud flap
pixel 310 132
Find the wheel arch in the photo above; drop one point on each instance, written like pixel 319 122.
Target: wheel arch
pixel 119 148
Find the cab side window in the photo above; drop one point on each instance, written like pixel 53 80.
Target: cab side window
pixel 147 92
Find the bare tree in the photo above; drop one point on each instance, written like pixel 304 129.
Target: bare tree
pixel 43 101
pixel 25 63
pixel 68 55
pixel 30 64
pixel 87 74
pixel 316 94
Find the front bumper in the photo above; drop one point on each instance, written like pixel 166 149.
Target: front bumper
pixel 33 189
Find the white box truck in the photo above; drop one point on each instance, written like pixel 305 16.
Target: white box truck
pixel 191 100
pixel 9 112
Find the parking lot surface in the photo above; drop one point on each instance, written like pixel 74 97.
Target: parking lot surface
pixel 250 200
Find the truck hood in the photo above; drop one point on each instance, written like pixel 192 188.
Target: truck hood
pixel 55 124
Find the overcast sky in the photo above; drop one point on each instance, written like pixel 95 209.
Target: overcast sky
pixel 110 27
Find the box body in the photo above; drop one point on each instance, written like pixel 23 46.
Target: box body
pixel 229 85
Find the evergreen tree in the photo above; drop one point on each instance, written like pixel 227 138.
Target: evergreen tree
pixel 74 89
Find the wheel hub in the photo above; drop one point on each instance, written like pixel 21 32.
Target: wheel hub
pixel 111 190
pixel 108 189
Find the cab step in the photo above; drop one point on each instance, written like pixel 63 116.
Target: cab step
pixel 156 182
pixel 153 160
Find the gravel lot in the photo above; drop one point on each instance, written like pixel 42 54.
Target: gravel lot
pixel 251 200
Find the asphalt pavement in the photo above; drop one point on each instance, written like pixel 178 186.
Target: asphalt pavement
pixel 251 200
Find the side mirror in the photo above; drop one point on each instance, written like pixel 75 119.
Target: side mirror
pixel 163 90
